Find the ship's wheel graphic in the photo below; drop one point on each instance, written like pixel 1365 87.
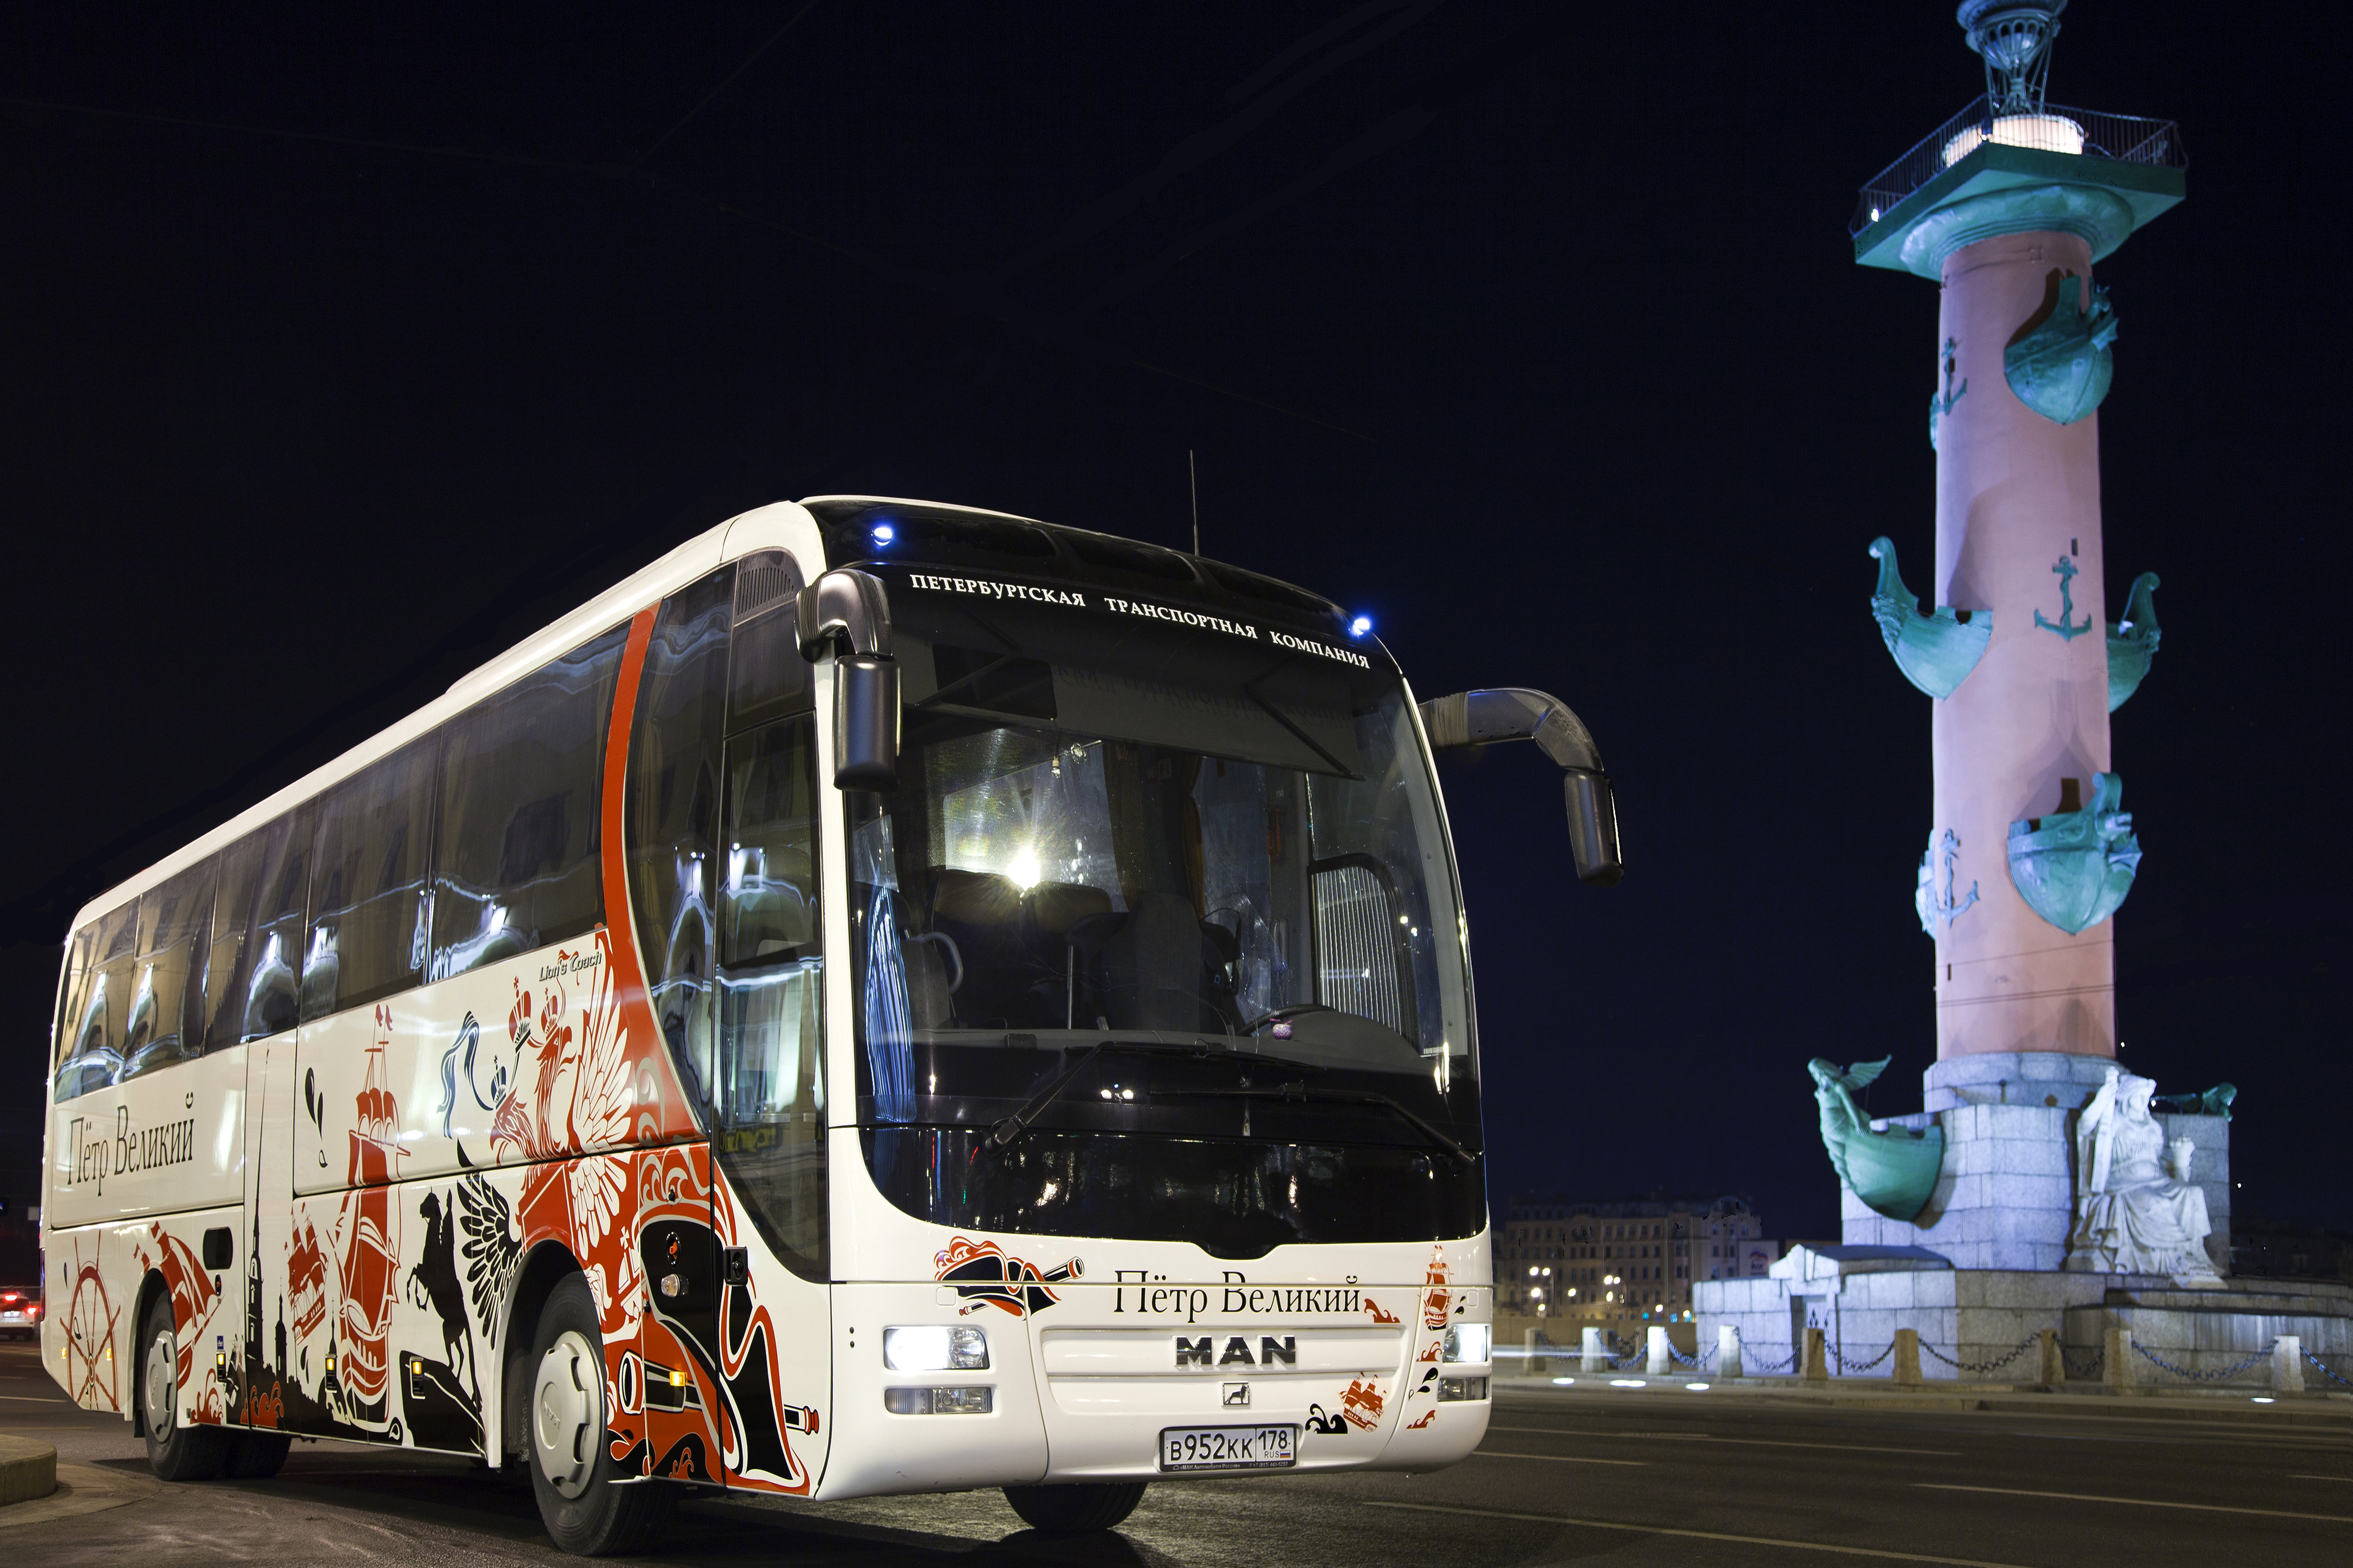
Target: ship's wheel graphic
pixel 89 1331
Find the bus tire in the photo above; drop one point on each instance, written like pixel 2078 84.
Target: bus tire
pixel 175 1453
pixel 1081 1509
pixel 257 1456
pixel 573 1475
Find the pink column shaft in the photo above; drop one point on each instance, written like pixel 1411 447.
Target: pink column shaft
pixel 2015 493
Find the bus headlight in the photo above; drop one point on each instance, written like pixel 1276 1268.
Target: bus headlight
pixel 933 1347
pixel 1470 1342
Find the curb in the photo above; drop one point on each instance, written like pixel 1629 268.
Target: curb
pixel 82 1489
pixel 27 1470
pixel 2009 1399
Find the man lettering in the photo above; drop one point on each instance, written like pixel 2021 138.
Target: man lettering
pixel 1192 1352
pixel 1237 1349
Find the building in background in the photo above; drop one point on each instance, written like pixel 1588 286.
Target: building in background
pixel 1602 1262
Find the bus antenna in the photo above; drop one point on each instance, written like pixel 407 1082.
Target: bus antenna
pixel 1193 476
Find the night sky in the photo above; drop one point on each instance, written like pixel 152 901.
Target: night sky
pixel 344 345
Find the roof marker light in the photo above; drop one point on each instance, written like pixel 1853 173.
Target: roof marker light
pixel 1359 625
pixel 885 533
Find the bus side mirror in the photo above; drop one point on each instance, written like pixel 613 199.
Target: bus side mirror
pixel 845 615
pixel 866 722
pixel 1593 828
pixel 1519 713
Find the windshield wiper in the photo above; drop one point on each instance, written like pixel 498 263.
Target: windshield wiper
pixel 1003 1134
pixel 1300 1091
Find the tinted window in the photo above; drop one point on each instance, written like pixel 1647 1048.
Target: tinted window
pixel 767 677
pixel 673 813
pixel 251 981
pixel 367 933
pixel 515 866
pixel 771 1136
pixel 70 992
pixel 100 1004
pixel 166 1018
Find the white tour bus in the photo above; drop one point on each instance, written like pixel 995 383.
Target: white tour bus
pixel 1055 1070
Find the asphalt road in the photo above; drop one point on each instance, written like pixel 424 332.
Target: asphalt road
pixel 1659 1477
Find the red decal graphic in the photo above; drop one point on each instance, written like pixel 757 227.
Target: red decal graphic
pixel 983 1272
pixel 90 1337
pixel 1378 1316
pixel 1426 1417
pixel 1363 1396
pixel 193 1303
pixel 1431 1353
pixel 370 1269
pixel 739 1415
pixel 306 1280
pixel 1434 1304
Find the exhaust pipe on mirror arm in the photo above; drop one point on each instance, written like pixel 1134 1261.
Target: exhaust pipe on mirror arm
pixel 1521 713
pixel 845 615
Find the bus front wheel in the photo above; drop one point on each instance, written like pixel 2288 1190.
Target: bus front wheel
pixel 175 1453
pixel 572 1471
pixel 1080 1510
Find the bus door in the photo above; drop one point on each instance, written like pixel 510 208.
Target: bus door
pixel 760 1342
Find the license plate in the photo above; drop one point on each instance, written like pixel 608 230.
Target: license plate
pixel 1229 1447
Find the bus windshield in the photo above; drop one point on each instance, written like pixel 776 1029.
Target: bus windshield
pixel 1199 846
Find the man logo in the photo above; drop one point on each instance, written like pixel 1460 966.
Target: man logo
pixel 1238 1393
pixel 1237 1352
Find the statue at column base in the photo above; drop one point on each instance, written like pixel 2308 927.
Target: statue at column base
pixel 2136 1212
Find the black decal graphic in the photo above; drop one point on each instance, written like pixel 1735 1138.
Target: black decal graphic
pixel 433 1282
pixel 491 1251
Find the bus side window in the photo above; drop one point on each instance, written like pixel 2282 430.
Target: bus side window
pixel 94 1022
pixel 515 858
pixel 767 678
pixel 167 1022
pixel 673 815
pixel 367 933
pixel 229 974
pixel 70 977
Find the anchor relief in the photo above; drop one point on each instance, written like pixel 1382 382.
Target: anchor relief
pixel 2066 626
pixel 1937 907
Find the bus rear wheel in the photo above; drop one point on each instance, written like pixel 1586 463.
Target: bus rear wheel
pixel 573 1475
pixel 1081 1509
pixel 175 1453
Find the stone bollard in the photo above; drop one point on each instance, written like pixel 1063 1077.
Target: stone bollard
pixel 1907 1358
pixel 2116 1369
pixel 1535 1365
pixel 1593 1357
pixel 2051 1361
pixel 1727 1349
pixel 1661 1354
pixel 1814 1365
pixel 2287 1364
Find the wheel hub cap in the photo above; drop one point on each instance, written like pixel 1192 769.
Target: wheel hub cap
pixel 567 1412
pixel 162 1380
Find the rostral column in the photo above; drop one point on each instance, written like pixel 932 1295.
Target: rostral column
pixel 2007 207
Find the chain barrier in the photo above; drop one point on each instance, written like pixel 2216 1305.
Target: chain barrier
pixel 1750 1365
pixel 1696 1363
pixel 2324 1370
pixel 1980 1368
pixel 2087 1369
pixel 1838 1354
pixel 2223 1376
